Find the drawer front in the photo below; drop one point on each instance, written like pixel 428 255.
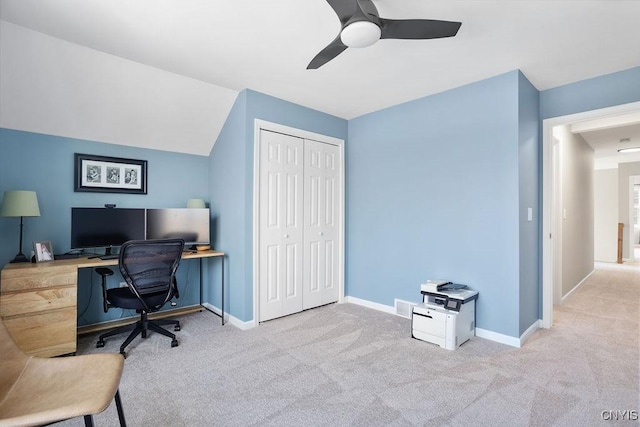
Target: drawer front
pixel 45 335
pixel 36 276
pixel 37 300
pixel 430 322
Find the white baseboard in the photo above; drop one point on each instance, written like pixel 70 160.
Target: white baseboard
pixel 482 333
pixel 575 288
pixel 229 319
pixel 499 338
pixel 507 339
pixel 530 330
pixel 369 304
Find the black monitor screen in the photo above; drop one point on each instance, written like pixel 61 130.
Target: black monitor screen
pixel 189 224
pixel 105 227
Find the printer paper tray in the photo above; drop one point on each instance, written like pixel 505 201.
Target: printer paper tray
pixel 424 336
pixel 429 320
pixel 429 324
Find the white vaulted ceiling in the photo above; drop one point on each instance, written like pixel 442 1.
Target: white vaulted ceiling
pixel 265 45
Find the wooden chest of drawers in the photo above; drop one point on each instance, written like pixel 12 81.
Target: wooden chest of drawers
pixel 38 306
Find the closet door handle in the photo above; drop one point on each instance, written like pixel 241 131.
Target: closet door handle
pixel 286 236
pixel 321 234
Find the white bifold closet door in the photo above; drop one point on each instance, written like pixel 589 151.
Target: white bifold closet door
pixel 281 224
pixel 320 224
pixel 298 236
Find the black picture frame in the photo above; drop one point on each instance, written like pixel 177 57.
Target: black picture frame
pixel 102 174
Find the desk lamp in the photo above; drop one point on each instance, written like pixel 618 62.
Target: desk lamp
pixel 196 203
pixel 20 203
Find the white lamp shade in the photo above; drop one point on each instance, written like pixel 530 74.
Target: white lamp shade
pixel 360 34
pixel 19 203
pixel 195 203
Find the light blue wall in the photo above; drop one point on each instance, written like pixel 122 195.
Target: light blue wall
pixel 433 191
pixel 44 163
pixel 600 92
pixel 436 188
pixel 231 183
pixel 476 189
pixel 227 181
pixel 529 188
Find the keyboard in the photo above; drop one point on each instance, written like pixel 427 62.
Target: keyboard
pixel 107 257
pixel 66 256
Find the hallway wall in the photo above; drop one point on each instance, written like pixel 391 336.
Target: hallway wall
pixel 605 215
pixel 577 209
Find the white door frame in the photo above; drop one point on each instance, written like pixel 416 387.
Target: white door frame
pixel 548 213
pixel 557 224
pixel 633 181
pixel 630 232
pixel 275 127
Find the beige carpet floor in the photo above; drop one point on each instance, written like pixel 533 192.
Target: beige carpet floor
pixel 344 364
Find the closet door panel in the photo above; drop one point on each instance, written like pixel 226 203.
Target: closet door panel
pixel 281 225
pixel 321 228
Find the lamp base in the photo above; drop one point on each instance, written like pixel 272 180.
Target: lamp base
pixel 20 258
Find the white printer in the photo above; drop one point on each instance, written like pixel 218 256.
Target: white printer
pixel 447 315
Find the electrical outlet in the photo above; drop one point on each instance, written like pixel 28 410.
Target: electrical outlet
pixel 123 284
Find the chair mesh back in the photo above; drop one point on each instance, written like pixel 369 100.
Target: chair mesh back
pixel 149 266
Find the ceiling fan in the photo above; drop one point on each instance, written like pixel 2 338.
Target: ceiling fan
pixel 362 27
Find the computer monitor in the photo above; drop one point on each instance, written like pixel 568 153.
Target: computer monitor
pixel 105 227
pixel 190 224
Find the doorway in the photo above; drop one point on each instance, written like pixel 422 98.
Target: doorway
pixel 551 215
pixel 634 218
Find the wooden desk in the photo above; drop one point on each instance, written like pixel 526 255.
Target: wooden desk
pixel 38 302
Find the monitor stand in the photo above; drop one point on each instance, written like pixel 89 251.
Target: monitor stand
pixel 107 254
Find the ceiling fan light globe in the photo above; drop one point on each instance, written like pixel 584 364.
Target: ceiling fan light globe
pixel 629 150
pixel 360 34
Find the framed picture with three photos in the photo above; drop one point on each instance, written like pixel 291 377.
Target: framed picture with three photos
pixel 104 174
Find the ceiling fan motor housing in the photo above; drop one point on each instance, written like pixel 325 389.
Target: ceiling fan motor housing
pixel 360 34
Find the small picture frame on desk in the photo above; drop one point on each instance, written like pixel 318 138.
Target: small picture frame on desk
pixel 43 251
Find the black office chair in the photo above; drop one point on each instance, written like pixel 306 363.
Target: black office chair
pixel 149 268
pixel 104 272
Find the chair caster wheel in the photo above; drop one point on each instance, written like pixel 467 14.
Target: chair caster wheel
pixel 100 344
pixel 176 328
pixel 174 343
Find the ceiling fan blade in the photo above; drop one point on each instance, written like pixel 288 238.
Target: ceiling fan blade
pixel 416 29
pixel 335 48
pixel 345 9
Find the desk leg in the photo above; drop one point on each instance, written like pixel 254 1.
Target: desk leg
pixel 200 282
pixel 222 288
